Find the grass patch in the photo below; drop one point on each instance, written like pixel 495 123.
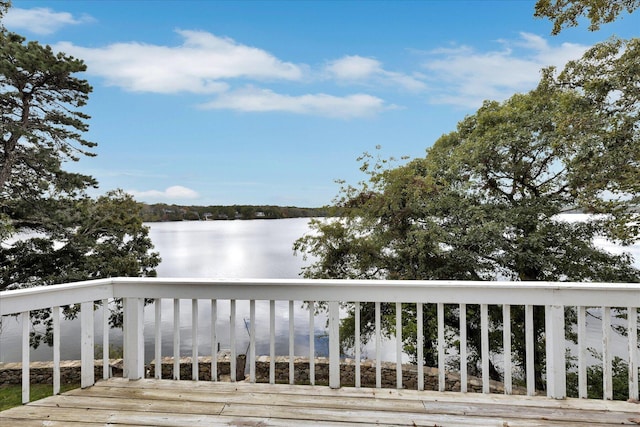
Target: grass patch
pixel 11 395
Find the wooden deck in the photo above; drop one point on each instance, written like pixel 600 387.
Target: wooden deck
pixel 186 403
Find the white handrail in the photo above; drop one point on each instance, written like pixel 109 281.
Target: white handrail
pixel 448 292
pixel 553 296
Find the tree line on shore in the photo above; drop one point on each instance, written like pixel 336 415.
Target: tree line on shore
pixel 164 212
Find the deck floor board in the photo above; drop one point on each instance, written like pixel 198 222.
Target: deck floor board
pixel 191 404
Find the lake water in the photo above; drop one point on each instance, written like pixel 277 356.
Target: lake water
pixel 205 249
pixel 228 249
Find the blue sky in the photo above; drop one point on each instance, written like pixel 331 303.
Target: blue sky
pixel 266 102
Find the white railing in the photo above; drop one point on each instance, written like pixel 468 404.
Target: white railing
pixel 554 297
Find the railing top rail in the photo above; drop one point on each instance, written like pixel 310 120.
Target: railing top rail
pixel 379 283
pixel 535 293
pixel 36 298
pixel 448 291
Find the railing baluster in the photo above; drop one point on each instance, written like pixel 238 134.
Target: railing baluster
pixel 632 334
pixel 356 344
pixel 252 341
pixel 582 352
pixel 312 343
pixel 105 339
pixel 607 386
pixel 378 346
pixel 272 342
pixel 398 345
pixel 529 350
pixel 484 338
pixel 214 340
pixel 158 338
pixel 232 340
pixel 420 345
pixel 176 339
pixel 334 344
pixel 463 348
pixel 194 341
pixel 26 359
pixel 506 338
pixel 55 315
pixel 87 376
pixel 441 366
pixel 291 344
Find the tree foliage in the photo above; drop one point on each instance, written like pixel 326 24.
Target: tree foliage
pixel 41 128
pixel 90 239
pixel 565 13
pixel 51 231
pixel 42 124
pixel 484 203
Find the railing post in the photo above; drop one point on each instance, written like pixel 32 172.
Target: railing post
pixel 86 344
pixel 55 314
pixel 377 309
pixel 484 347
pixel 26 356
pixel 232 340
pixel 252 341
pixel 555 349
pixel 334 344
pixel 195 364
pixel 214 340
pixel 356 344
pixel 441 348
pixel 506 339
pixel 529 350
pixel 291 345
pixel 176 339
pixel 582 352
pixel 312 345
pixel 133 338
pixel 105 339
pixel 399 345
pixel 632 333
pixel 158 337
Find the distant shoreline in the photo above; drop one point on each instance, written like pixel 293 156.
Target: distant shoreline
pixel 160 212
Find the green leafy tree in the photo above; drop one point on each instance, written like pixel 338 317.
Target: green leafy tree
pixel 92 239
pixel 41 123
pixel 565 13
pixel 484 202
pixel 619 376
pixel 51 230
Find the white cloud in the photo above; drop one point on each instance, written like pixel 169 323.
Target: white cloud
pixel 40 20
pixel 208 64
pixel 176 192
pixel 252 99
pixel 466 77
pixel 356 68
pixel 201 64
